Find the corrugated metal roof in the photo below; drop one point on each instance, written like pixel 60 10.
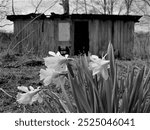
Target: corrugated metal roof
pixel 53 16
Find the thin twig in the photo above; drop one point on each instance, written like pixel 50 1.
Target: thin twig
pixel 23 40
pixel 6 93
pixel 36 9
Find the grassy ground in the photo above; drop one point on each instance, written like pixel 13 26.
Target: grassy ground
pixel 24 70
pixel 16 70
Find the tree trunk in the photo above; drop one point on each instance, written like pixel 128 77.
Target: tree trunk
pixel 105 7
pixel 65 4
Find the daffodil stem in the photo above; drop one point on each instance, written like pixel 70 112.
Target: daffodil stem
pixel 65 94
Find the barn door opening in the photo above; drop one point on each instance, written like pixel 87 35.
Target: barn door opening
pixel 81 37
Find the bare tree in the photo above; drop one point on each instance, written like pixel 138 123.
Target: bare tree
pixel 128 5
pixel 141 7
pixel 111 6
pixel 79 6
pixel 106 6
pixel 65 5
pixel 77 3
pixel 147 2
pixel 85 3
pixel 85 6
pixel 146 5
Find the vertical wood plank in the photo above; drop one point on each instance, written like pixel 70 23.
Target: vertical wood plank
pixel 93 36
pixel 121 39
pixel 99 38
pixel 118 36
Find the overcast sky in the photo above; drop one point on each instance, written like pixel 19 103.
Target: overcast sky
pixel 27 6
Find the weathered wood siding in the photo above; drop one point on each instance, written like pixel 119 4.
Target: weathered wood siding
pixel 123 39
pixel 100 33
pixel 41 36
pixel 119 33
pixel 38 37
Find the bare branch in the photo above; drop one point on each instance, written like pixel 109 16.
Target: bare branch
pixel 85 3
pixel 147 2
pixel 128 4
pixel 1 26
pixel 36 9
pixel 13 10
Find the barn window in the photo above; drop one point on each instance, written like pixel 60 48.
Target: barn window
pixel 64 31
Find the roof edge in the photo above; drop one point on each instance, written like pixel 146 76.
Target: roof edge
pixel 134 18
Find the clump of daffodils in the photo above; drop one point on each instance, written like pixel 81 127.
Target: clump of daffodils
pixel 56 67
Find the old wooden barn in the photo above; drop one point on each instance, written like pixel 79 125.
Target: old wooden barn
pixel 74 34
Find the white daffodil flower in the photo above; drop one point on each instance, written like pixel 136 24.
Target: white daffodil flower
pixel 56 61
pixel 48 75
pixel 56 65
pixel 99 66
pixel 29 96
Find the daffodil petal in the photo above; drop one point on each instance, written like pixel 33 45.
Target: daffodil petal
pixel 23 88
pixel 23 98
pixel 94 57
pixel 96 71
pixel 66 56
pixel 58 54
pixel 38 98
pixel 31 88
pixel 47 80
pixel 46 73
pixel 26 98
pixel 103 58
pixel 92 65
pixel 51 62
pixel 52 53
pixel 104 62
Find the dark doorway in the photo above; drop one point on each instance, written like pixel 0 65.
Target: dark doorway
pixel 81 37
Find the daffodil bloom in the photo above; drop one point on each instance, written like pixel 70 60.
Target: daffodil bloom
pixel 99 66
pixel 48 75
pixel 56 61
pixel 56 65
pixel 29 96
